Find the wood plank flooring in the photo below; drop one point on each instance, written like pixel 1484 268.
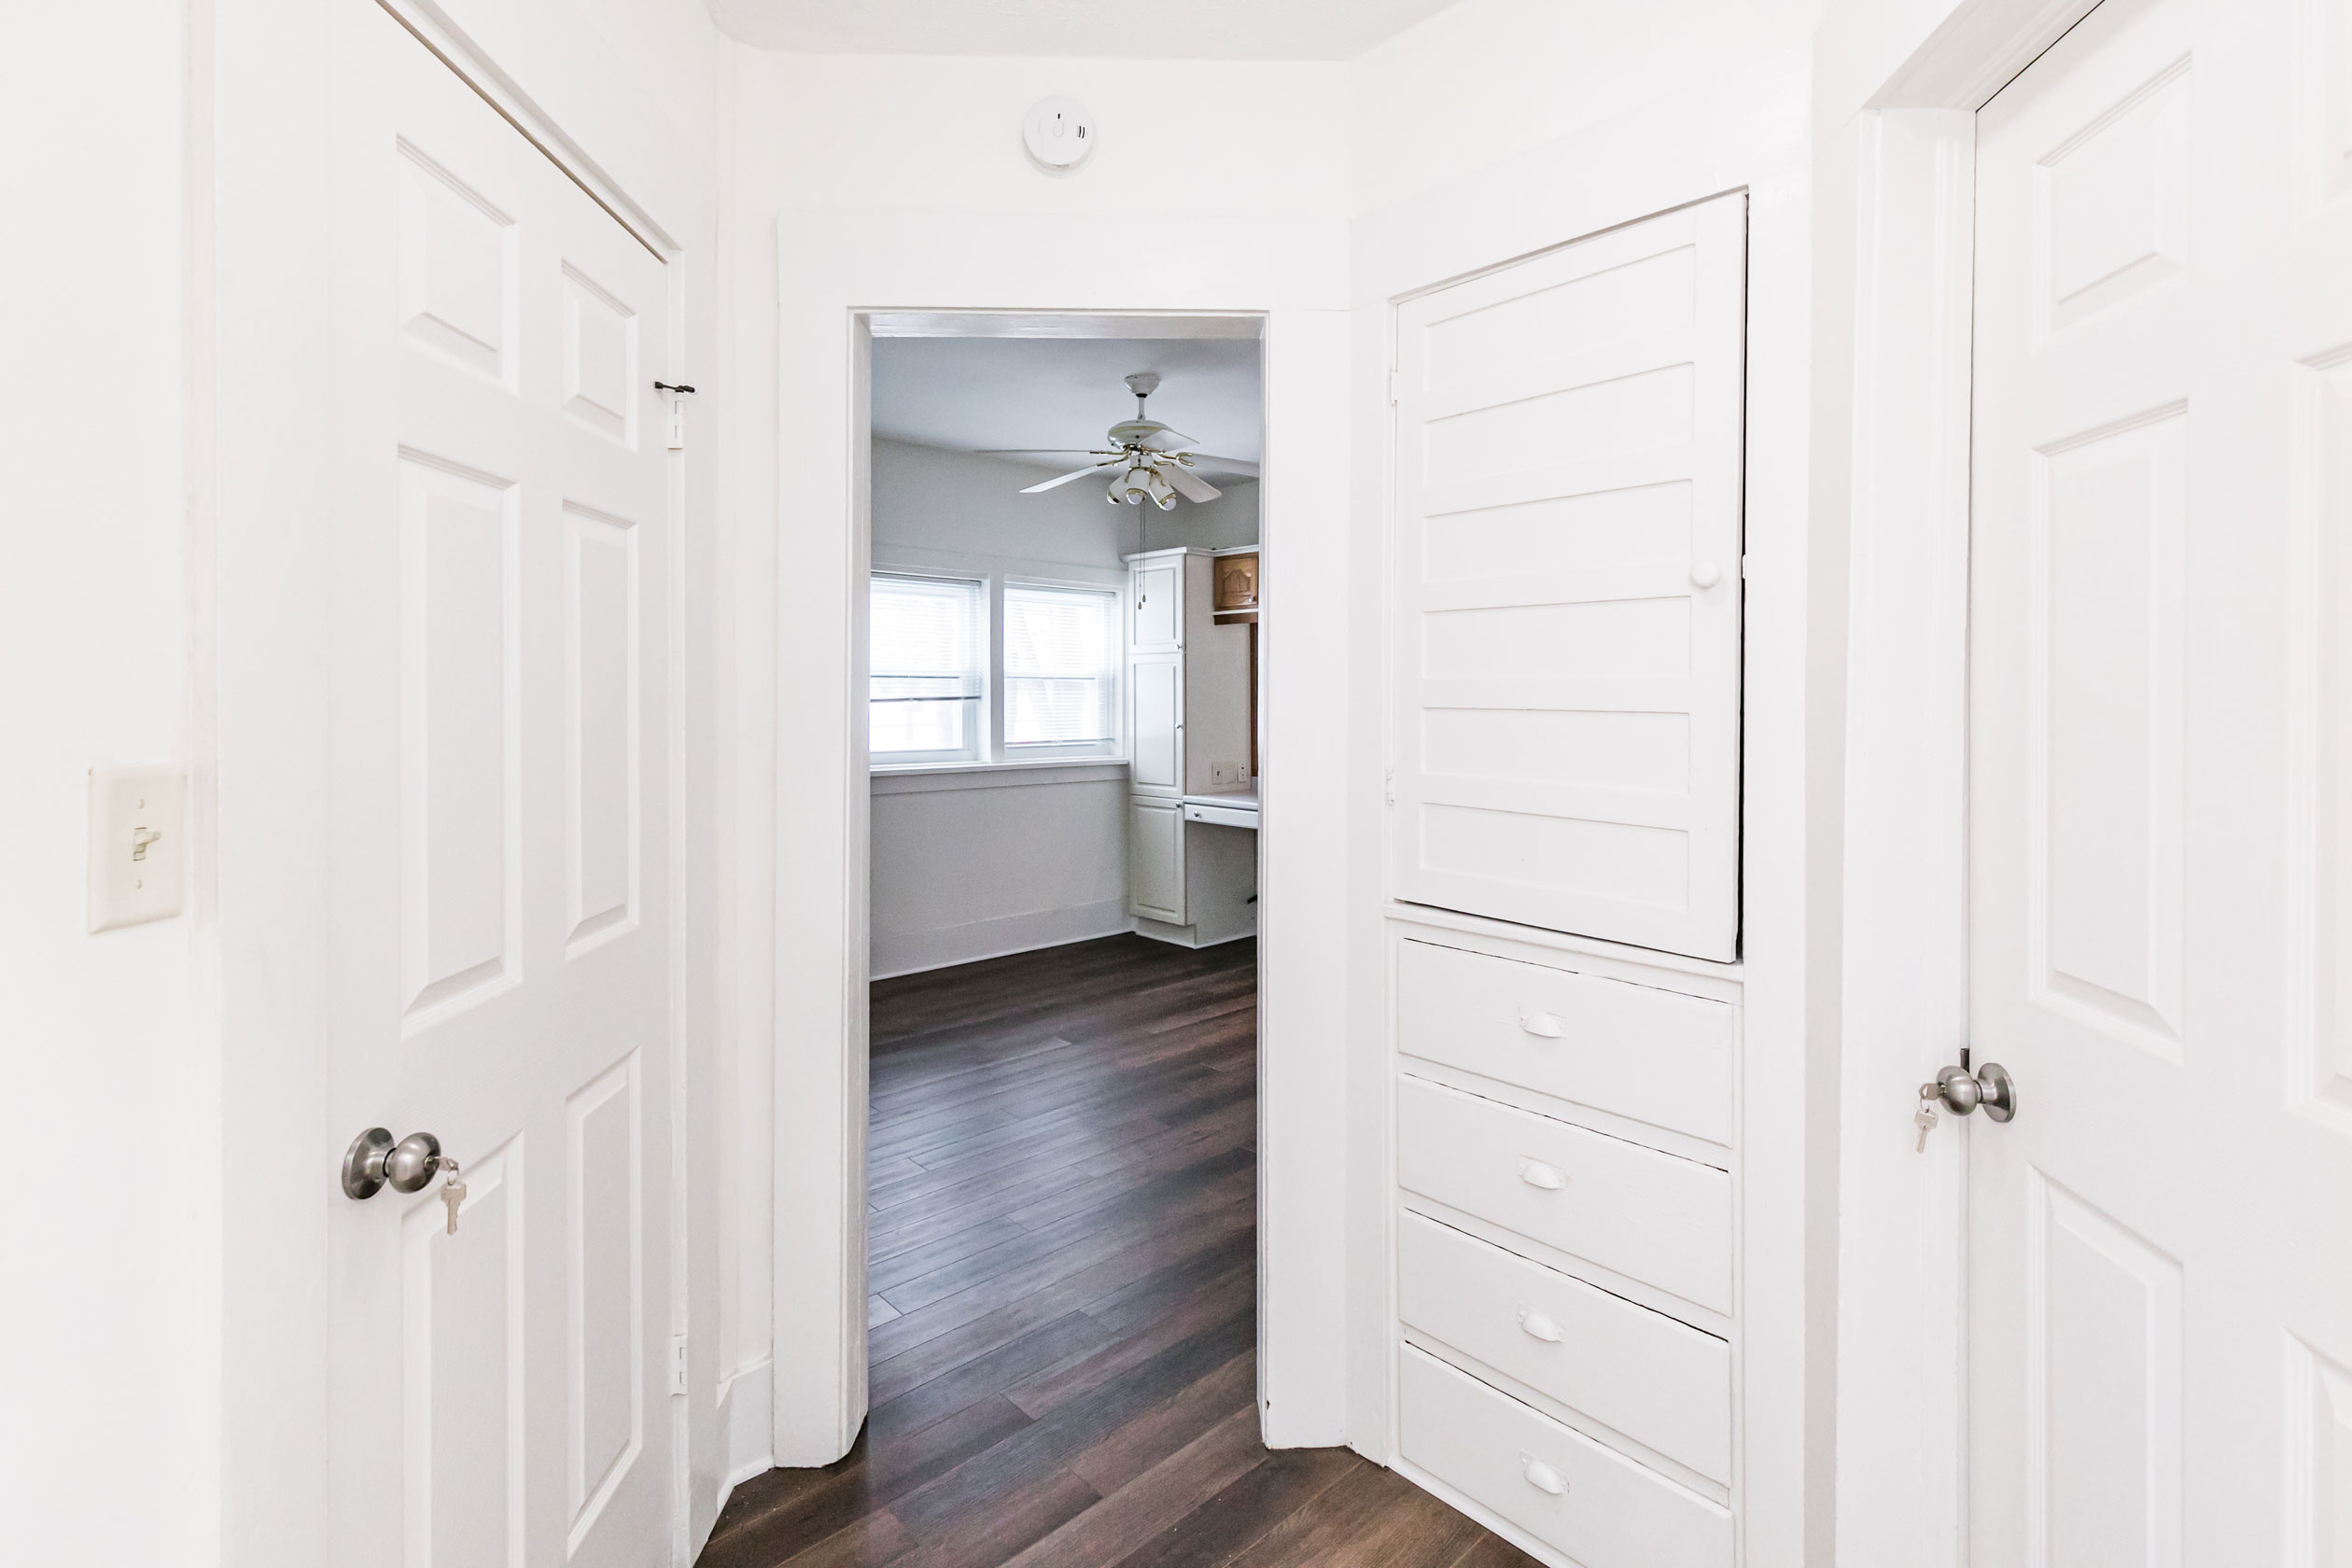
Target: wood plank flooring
pixel 1064 1267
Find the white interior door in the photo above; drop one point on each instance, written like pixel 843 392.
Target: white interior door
pixel 1566 673
pixel 500 972
pixel 2161 1243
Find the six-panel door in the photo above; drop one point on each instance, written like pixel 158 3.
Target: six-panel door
pixel 2161 1243
pixel 499 535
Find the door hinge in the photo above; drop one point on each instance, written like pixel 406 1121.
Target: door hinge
pixel 1388 785
pixel 677 1364
pixel 1391 386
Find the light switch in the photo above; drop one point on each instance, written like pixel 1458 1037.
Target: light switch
pixel 138 850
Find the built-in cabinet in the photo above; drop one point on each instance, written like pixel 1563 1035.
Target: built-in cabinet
pixel 1565 1141
pixel 1565 1246
pixel 1567 578
pixel 1155 858
pixel 1190 880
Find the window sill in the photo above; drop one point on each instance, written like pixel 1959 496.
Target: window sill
pixel 914 779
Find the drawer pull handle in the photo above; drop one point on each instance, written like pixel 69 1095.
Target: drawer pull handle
pixel 1541 1024
pixel 1539 1325
pixel 1535 1174
pixel 1542 1476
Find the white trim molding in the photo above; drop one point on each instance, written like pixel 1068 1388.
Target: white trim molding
pixel 1904 1002
pixel 837 273
pixel 1894 231
pixel 923 779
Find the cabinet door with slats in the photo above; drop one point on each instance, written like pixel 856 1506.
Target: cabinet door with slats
pixel 1566 665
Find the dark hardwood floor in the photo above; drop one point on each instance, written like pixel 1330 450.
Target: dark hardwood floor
pixel 1064 1311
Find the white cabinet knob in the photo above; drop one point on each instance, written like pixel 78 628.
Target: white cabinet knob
pixel 1542 1476
pixel 1539 1325
pixel 1535 1174
pixel 1706 574
pixel 1542 1024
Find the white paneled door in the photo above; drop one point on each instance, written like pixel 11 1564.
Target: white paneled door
pixel 2160 822
pixel 1566 560
pixel 501 978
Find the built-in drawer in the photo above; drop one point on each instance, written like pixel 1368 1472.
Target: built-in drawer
pixel 1591 1502
pixel 1650 1216
pixel 1222 815
pixel 1635 1372
pixel 1631 1050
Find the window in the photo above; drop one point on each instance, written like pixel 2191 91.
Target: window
pixel 929 667
pixel 1060 683
pixel 983 670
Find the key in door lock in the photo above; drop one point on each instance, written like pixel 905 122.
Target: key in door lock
pixel 1960 1091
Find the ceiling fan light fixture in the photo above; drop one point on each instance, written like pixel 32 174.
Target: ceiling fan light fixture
pixel 1134 487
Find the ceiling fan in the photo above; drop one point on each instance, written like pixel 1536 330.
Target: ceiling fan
pixel 1153 463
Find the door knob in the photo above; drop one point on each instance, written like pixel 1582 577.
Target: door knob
pixel 374 1162
pixel 1961 1091
pixel 1705 574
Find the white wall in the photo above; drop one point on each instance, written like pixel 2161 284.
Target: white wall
pixel 907 132
pixel 1499 127
pixel 975 865
pixel 970 865
pixel 162 1382
pixel 1485 79
pixel 106 1380
pixel 964 503
pixel 1495 130
pixel 898 182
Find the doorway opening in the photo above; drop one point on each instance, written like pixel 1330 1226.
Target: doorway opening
pixel 1062 706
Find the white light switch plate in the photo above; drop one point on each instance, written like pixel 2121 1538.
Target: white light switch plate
pixel 138 849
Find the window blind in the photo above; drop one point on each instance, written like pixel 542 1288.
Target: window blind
pixel 928 668
pixel 1059 681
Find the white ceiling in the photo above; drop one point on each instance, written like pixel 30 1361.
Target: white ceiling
pixel 973 394
pixel 1180 29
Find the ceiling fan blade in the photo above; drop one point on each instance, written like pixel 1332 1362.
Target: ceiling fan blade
pixel 1232 467
pixel 1187 483
pixel 1042 452
pixel 1065 479
pixel 1167 441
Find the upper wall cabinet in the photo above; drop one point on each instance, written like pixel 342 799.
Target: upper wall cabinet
pixel 1159 601
pixel 1188 679
pixel 1236 572
pixel 1567 571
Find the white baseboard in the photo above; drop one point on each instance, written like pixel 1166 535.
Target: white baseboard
pixel 1186 936
pixel 744 1417
pixel 897 953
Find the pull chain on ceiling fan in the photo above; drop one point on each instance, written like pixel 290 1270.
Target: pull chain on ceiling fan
pixel 1153 462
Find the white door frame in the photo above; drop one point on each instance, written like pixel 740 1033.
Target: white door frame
pixel 835 270
pixel 1901 1358
pixel 259 245
pixel 821 1135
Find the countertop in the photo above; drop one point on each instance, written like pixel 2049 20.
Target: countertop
pixel 1239 800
